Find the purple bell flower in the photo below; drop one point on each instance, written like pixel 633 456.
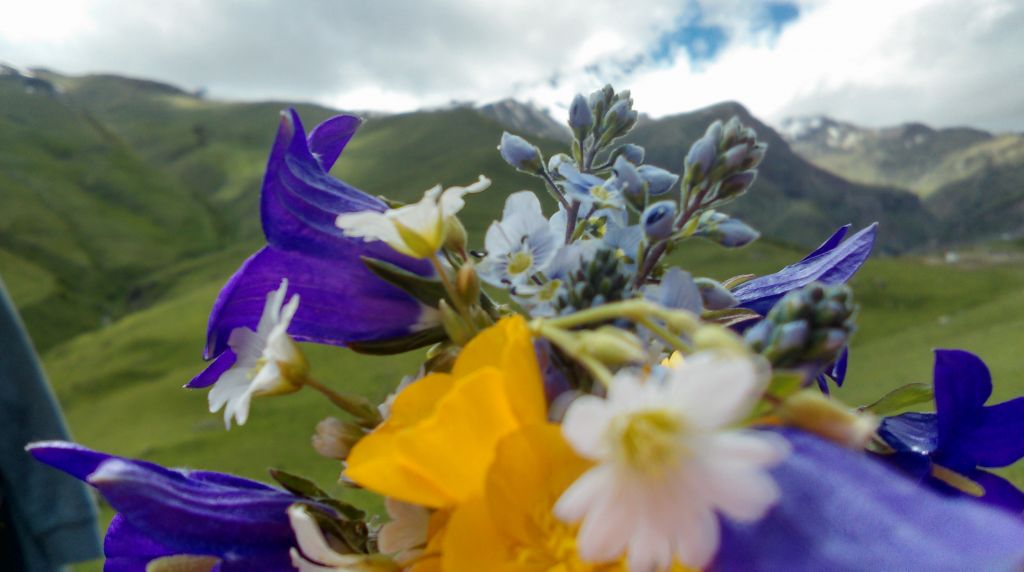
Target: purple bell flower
pixel 165 512
pixel 343 302
pixel 963 435
pixel 834 262
pixel 842 510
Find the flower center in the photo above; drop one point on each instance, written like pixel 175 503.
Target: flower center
pixel 600 193
pixel 520 262
pixel 553 548
pixel 648 440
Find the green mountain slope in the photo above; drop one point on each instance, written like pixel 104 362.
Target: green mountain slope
pixel 80 205
pixel 972 181
pixel 791 199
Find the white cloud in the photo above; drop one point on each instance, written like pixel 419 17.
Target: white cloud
pixel 870 61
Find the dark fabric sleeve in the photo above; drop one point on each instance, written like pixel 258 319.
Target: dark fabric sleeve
pixel 53 514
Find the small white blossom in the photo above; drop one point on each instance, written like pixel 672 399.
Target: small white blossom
pixel 667 462
pixel 419 229
pixel 521 245
pixel 405 535
pixel 316 555
pixel 267 361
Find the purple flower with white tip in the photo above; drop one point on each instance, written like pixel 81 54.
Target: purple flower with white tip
pixel 217 518
pixel 963 435
pixel 344 303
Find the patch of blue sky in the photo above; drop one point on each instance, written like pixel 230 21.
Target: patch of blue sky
pixel 702 41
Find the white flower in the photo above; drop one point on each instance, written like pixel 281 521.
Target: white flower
pixel 521 245
pixel 667 462
pixel 316 555
pixel 419 229
pixel 267 361
pixel 405 534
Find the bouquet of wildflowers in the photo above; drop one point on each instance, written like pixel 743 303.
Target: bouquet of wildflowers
pixel 583 404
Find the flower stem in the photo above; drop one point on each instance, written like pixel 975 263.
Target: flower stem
pixel 662 332
pixel 453 294
pixel 356 406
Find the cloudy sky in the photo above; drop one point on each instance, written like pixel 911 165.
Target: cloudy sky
pixel 875 62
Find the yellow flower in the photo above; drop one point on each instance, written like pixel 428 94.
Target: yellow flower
pixel 437 445
pixel 511 526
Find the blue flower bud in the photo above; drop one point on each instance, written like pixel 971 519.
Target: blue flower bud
pixel 725 230
pixel 557 161
pixel 790 336
pixel 659 181
pixel 735 156
pixel 581 118
pixel 714 295
pixel 731 131
pixel 659 220
pixel 702 156
pixel 620 118
pixel 628 178
pixel 714 133
pixel 632 153
pixel 519 153
pixel 735 185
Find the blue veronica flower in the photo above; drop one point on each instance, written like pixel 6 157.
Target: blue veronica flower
pixel 522 244
pixel 842 510
pixel 590 189
pixel 342 301
pixel 963 434
pixel 166 512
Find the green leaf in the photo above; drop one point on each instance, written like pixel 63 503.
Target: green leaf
pixel 426 290
pixel 295 484
pixel 902 398
pixel 411 342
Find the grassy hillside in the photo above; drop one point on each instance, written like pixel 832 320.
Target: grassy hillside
pixel 972 181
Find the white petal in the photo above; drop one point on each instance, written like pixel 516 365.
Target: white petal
pixel 604 533
pixel 370 226
pixel 714 392
pixel 452 201
pixel 580 496
pixel 585 424
pixel 311 540
pixel 247 345
pixel 407 528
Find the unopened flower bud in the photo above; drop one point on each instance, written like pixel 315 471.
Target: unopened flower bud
pixel 734 157
pixel 714 134
pixel 725 230
pixel 815 413
pixel 619 119
pixel 457 329
pixel 557 161
pixel 713 295
pixel 630 152
pixel 455 235
pixel 628 177
pixel 581 118
pixel 467 284
pixel 735 185
pixel 334 438
pixel 701 157
pixel 715 337
pixel 520 153
pixel 658 220
pixel 731 131
pixel 612 346
pixel 659 181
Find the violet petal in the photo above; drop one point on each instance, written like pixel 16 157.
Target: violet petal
pixel 834 266
pixel 842 510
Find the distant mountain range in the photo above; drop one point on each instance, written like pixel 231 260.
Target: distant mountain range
pixel 117 190
pixel 972 181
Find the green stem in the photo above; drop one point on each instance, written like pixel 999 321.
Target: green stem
pixel 662 332
pixel 453 294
